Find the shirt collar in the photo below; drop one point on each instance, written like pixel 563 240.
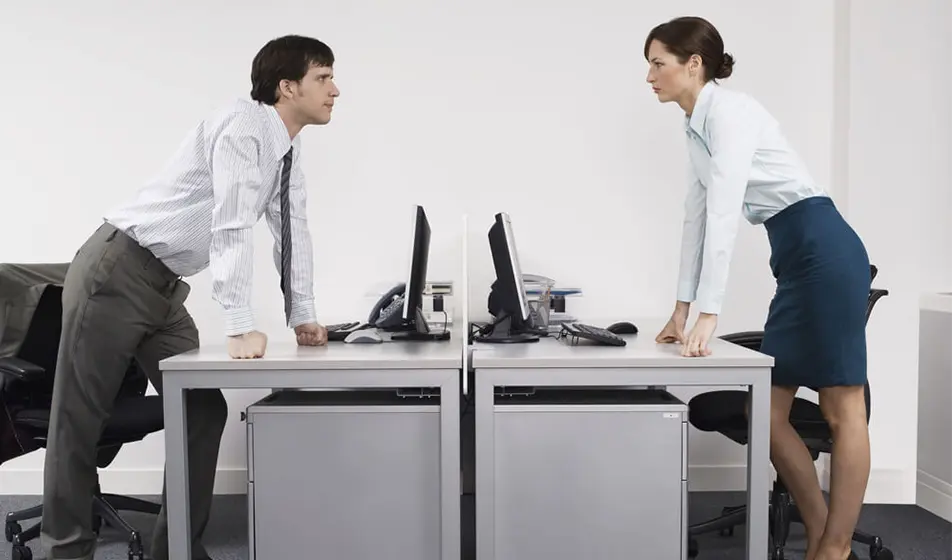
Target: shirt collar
pixel 701 107
pixel 282 140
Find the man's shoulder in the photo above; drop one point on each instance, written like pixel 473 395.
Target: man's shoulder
pixel 240 114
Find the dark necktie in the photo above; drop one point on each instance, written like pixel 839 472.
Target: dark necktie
pixel 286 234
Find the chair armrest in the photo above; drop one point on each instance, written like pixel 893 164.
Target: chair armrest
pixel 20 369
pixel 747 339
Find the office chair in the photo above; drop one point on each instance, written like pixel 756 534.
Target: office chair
pixel 724 412
pixel 26 388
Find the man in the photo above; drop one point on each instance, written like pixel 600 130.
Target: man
pixel 123 297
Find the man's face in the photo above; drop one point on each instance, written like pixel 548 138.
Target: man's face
pixel 313 97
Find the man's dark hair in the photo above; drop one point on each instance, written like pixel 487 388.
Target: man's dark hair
pixel 285 58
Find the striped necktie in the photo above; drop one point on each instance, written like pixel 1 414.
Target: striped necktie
pixel 286 234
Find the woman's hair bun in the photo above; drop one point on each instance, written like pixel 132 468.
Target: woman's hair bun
pixel 726 67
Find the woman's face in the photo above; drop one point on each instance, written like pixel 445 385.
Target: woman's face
pixel 669 79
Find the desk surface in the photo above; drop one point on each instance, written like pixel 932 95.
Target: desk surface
pixel 641 351
pixel 940 302
pixel 335 366
pixel 336 355
pixel 642 362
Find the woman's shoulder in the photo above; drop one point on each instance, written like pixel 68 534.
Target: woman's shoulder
pixel 727 105
pixel 726 99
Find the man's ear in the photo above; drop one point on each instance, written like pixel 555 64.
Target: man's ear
pixel 285 89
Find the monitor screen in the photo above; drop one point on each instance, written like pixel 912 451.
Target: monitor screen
pixel 419 253
pixel 502 243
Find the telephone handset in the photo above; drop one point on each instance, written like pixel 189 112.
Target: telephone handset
pixel 388 311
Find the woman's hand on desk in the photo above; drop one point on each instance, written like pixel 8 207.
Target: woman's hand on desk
pixel 673 331
pixel 700 335
pixel 311 334
pixel 248 345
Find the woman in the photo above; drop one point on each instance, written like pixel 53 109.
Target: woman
pixel 741 165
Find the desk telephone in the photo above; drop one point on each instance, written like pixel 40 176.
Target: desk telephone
pixel 388 311
pixel 387 314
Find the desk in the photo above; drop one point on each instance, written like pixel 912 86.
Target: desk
pixel 557 363
pixel 335 366
pixel 934 472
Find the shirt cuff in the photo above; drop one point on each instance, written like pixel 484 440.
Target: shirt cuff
pixel 709 304
pixel 687 292
pixel 302 313
pixel 239 321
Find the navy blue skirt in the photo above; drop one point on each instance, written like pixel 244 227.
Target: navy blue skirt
pixel 816 327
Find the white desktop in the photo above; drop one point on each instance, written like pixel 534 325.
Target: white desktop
pixel 362 457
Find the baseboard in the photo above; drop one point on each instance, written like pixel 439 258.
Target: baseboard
pixel 723 478
pixel 134 482
pixel 886 486
pixel 717 478
pixel 148 482
pixel 934 495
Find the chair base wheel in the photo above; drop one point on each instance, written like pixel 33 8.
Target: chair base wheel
pixel 21 552
pixel 878 552
pixel 728 531
pixel 11 529
pixel 136 551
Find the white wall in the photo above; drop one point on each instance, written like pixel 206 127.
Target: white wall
pixel 535 108
pixel 900 199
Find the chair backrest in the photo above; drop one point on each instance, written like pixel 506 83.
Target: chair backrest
pixel 41 347
pixel 874 296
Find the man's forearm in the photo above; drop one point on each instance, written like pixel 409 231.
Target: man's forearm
pixel 302 274
pixel 231 266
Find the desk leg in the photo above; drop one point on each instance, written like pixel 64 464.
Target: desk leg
pixel 449 467
pixel 485 461
pixel 758 470
pixel 176 469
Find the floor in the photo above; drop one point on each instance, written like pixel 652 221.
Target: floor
pixel 910 532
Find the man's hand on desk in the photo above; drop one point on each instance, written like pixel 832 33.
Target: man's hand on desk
pixel 248 345
pixel 311 334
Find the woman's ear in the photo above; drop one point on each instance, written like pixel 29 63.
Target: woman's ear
pixel 694 65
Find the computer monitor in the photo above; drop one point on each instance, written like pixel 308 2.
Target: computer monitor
pixel 412 324
pixel 507 300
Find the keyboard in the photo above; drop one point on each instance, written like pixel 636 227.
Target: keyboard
pixel 339 331
pixel 595 334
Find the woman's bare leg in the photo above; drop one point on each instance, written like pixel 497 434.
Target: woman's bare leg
pixel 795 467
pixel 845 411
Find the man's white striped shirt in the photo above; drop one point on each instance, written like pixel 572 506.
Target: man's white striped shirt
pixel 199 211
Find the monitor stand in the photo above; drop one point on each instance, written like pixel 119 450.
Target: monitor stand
pixel 500 331
pixel 419 330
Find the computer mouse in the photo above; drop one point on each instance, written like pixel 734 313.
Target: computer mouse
pixel 364 336
pixel 623 327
